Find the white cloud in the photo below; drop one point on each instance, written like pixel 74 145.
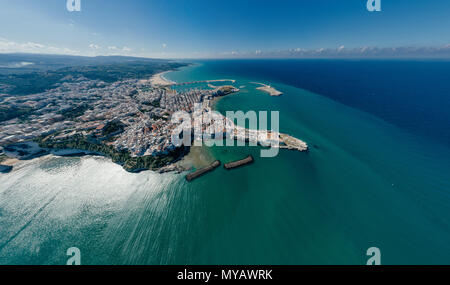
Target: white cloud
pixel 8 46
pixel 164 45
pixel 94 46
pixel 124 49
pixel 17 64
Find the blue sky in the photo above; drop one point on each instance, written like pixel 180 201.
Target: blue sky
pixel 227 28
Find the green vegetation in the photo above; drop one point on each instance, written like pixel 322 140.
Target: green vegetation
pixel 74 112
pixel 3 157
pixel 225 90
pixel 131 164
pixel 12 112
pixel 112 127
pixel 133 93
pixel 40 81
pixel 155 104
pixel 30 83
pixel 156 117
pixel 144 110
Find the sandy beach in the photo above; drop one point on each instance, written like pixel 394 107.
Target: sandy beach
pixel 10 161
pixel 160 80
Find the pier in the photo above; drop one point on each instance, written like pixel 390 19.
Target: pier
pixel 249 159
pixel 202 171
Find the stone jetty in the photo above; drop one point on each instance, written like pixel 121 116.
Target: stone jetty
pixel 249 159
pixel 202 171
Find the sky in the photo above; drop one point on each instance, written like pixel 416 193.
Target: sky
pixel 226 28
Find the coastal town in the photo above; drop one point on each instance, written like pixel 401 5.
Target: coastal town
pixel 128 116
pixel 86 107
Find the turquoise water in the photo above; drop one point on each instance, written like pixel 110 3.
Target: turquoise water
pixel 364 183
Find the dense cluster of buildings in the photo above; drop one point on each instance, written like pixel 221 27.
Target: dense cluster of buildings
pixel 130 115
pixel 86 106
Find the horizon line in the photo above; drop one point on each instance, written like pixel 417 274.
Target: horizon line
pixel 348 57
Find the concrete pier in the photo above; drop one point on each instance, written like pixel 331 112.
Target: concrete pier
pixel 202 171
pixel 249 159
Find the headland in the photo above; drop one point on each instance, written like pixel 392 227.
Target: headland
pixel 269 89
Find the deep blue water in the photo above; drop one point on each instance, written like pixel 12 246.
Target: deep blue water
pixel 414 94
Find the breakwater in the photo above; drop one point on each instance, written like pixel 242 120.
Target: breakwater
pixel 202 171
pixel 249 159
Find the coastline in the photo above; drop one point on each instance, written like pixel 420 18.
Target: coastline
pixel 180 159
pixel 159 79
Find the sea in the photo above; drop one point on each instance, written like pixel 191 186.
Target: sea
pixel 376 175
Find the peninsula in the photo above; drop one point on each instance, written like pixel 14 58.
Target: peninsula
pixel 268 89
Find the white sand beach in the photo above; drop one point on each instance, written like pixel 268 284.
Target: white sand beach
pixel 160 80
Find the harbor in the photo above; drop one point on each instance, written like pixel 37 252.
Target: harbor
pixel 230 165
